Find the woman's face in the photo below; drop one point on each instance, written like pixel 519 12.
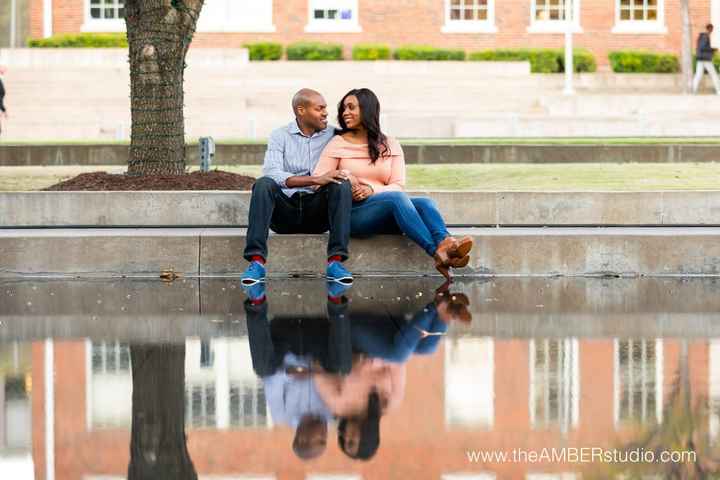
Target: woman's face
pixel 352 114
pixel 352 436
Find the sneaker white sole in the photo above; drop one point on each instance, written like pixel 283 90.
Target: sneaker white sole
pixel 343 280
pixel 249 281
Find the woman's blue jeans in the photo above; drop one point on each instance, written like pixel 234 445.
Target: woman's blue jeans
pixel 395 212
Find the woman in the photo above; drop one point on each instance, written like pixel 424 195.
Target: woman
pixel 376 165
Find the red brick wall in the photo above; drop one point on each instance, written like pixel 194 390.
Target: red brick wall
pixel 420 21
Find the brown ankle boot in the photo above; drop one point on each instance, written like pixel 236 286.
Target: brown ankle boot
pixel 444 249
pixel 443 267
pixel 463 247
pixel 460 262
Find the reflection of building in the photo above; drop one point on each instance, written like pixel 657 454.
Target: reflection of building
pixel 15 416
pixel 475 393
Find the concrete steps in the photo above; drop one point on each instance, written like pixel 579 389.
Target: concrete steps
pixel 660 251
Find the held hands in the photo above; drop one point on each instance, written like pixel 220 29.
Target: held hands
pixel 333 176
pixel 361 191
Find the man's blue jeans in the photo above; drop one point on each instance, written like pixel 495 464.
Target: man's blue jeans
pixel 396 212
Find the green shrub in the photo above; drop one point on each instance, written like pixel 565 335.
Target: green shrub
pixel 542 60
pixel 82 40
pixel 264 50
pixel 631 61
pixel 369 51
pixel 423 52
pixel 314 51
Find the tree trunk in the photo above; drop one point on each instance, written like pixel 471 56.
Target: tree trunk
pixel 686 57
pixel 158 447
pixel 159 34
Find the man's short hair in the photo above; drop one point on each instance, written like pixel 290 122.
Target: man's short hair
pixel 303 97
pixel 709 26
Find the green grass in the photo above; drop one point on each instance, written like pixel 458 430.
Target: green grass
pixel 484 177
pixel 434 141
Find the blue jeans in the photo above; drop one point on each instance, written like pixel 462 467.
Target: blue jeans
pixel 396 212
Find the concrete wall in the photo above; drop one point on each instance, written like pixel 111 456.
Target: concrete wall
pixel 230 209
pixel 253 154
pixel 498 252
pixel 444 99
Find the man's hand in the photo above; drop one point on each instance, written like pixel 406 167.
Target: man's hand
pixel 361 192
pixel 333 176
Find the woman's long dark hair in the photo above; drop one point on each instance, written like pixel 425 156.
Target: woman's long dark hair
pixel 370 119
pixel 369 430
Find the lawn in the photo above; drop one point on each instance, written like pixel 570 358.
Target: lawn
pixel 488 177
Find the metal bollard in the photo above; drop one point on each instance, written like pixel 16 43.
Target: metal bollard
pixel 207 153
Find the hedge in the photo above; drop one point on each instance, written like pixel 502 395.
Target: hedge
pixel 423 52
pixel 82 40
pixel 633 61
pixel 542 60
pixel 369 51
pixel 314 51
pixel 264 50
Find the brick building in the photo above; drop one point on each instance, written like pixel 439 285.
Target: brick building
pixel 600 25
pixel 566 392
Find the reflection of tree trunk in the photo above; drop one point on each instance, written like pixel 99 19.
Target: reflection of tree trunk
pixel 158 447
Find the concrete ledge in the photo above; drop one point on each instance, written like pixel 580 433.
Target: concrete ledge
pixel 498 251
pixel 253 154
pixel 153 311
pixel 230 209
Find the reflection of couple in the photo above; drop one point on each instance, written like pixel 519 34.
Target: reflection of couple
pixel 348 181
pixel 348 366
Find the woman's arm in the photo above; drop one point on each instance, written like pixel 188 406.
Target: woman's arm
pixel 328 161
pixel 396 182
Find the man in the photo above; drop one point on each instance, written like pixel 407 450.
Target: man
pixel 288 199
pixel 704 55
pixel 283 352
pixel 3 111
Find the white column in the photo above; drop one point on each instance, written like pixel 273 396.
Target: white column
pixel 569 6
pixel 49 378
pixel 715 20
pixel 2 412
pixel 13 23
pixel 222 383
pixel 47 18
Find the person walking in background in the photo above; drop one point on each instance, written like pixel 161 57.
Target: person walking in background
pixel 3 111
pixel 704 54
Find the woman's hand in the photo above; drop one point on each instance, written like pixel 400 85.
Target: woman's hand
pixel 361 192
pixel 333 176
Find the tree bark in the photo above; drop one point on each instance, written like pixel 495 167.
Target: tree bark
pixel 686 56
pixel 158 448
pixel 159 34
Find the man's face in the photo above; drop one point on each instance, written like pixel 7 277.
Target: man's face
pixel 710 29
pixel 314 113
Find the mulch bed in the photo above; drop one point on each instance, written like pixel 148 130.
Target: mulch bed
pixel 102 181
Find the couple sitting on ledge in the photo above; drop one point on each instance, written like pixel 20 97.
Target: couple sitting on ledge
pixel 349 181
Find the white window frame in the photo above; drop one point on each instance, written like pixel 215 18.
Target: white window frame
pixel 229 28
pixel 100 25
pixel 554 26
pixel 333 26
pixel 651 27
pixel 659 377
pixel 570 369
pixel 470 26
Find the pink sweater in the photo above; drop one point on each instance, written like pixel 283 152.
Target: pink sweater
pixel 387 174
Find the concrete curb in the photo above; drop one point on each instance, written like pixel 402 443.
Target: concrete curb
pixel 230 209
pixel 253 154
pixel 498 252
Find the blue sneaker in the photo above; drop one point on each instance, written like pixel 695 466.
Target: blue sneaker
pixel 255 292
pixel 336 272
pixel 336 289
pixel 254 273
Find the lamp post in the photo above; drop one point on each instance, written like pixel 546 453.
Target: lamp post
pixel 568 90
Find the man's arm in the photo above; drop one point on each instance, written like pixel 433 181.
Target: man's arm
pixel 274 167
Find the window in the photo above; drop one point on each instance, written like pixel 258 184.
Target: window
pixel 248 406
pixel 104 16
pixel 469 16
pixel 639 16
pixel 470 383
pixel 236 16
pixel 638 381
pixel 109 385
pixel 551 16
pixel 333 16
pixel 200 405
pixel 554 384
